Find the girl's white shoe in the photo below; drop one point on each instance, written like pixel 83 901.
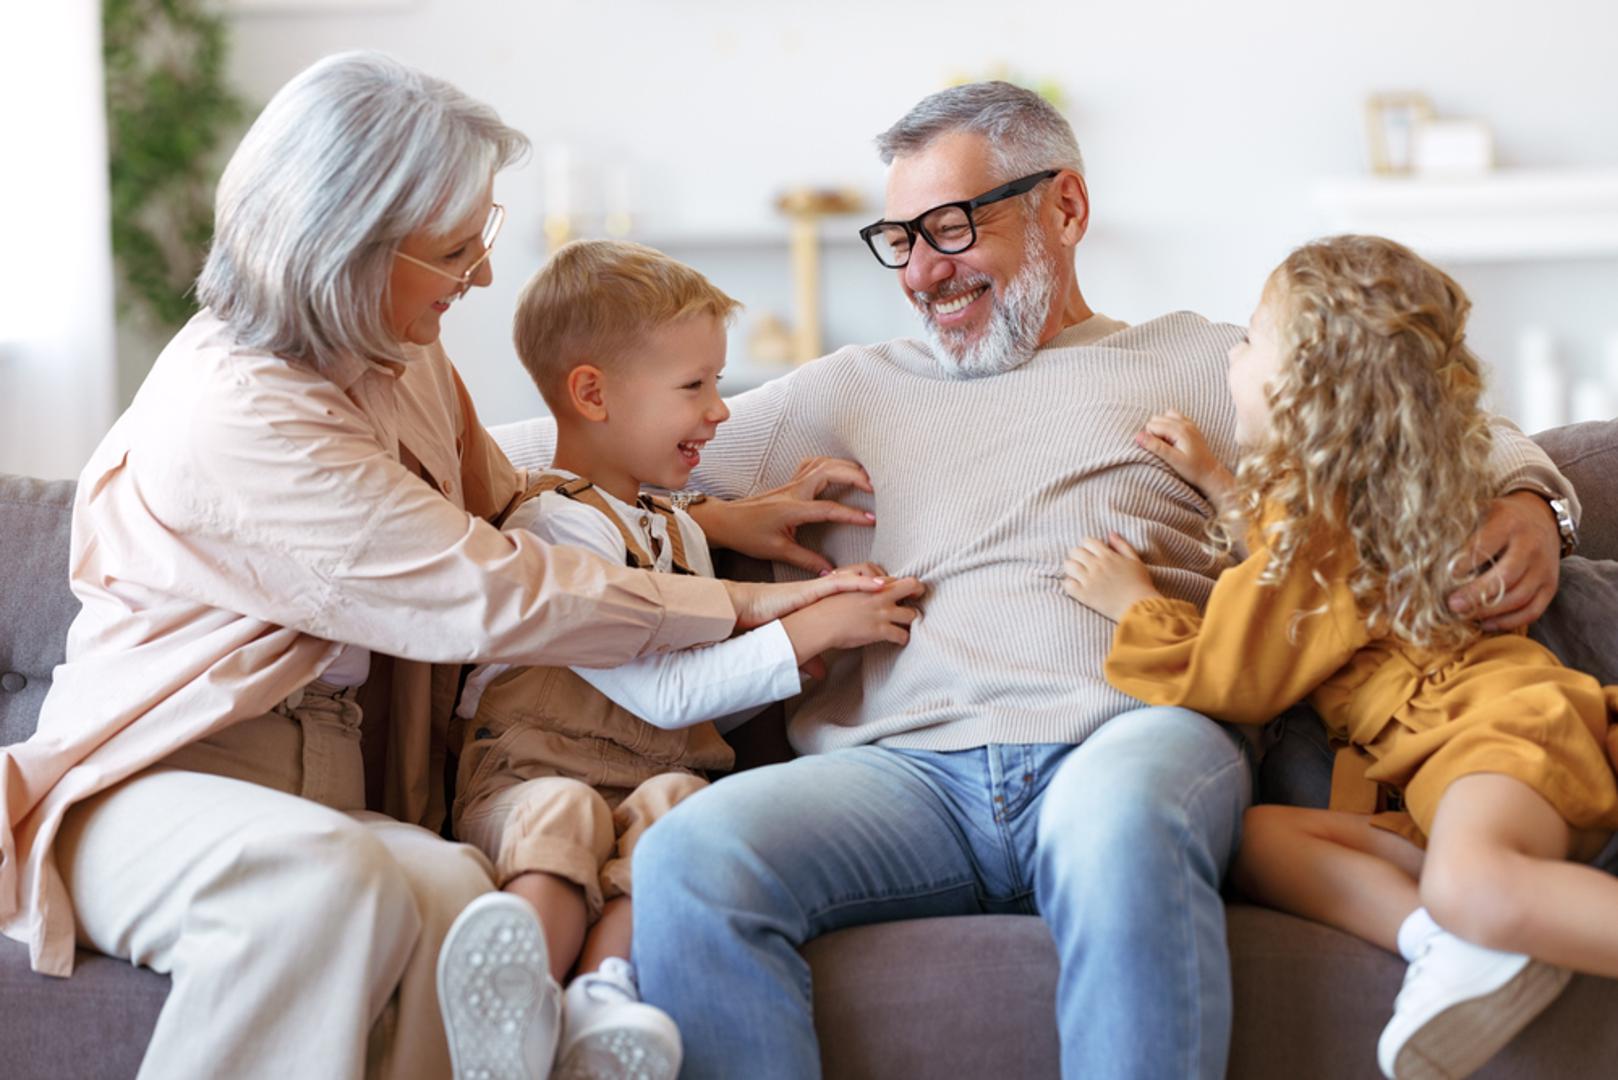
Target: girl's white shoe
pixel 1459 1005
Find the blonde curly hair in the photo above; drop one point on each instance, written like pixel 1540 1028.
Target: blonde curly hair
pixel 1376 434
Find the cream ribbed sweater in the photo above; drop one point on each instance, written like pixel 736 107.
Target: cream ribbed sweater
pixel 981 486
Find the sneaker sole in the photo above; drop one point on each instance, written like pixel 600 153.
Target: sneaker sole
pixel 1459 1040
pixel 493 986
pixel 618 1054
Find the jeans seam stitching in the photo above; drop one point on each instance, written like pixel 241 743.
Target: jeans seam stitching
pixel 1193 1030
pixel 899 894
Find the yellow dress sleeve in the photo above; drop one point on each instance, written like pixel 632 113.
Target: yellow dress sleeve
pixel 1255 651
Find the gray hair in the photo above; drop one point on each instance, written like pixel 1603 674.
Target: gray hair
pixel 1026 134
pixel 353 155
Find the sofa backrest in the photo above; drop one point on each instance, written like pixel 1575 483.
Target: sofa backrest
pixel 1587 454
pixel 36 605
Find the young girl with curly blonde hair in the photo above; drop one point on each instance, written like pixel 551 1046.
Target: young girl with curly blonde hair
pixel 1364 470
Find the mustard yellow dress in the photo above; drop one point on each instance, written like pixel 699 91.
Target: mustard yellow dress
pixel 1405 719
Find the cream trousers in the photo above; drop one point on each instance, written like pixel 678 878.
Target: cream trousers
pixel 301 931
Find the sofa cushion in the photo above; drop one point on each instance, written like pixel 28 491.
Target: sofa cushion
pixel 976 996
pixel 1311 1000
pixel 1581 625
pixel 1587 454
pixel 957 996
pixel 94 1026
pixel 36 605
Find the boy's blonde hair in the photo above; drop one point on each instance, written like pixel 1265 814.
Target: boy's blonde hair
pixel 1376 433
pixel 595 300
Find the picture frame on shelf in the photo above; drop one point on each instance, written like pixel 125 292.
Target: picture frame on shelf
pixel 1391 122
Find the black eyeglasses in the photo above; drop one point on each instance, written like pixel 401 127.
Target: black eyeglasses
pixel 948 228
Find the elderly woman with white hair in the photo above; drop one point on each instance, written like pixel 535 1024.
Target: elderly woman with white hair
pixel 298 502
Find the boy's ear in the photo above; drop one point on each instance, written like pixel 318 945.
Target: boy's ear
pixel 586 392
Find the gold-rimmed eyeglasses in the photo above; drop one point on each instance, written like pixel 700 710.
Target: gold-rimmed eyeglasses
pixel 491 229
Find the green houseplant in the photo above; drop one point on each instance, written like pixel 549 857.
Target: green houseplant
pixel 167 110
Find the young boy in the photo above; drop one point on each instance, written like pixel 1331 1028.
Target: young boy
pixel 562 770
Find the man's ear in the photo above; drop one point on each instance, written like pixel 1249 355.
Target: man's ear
pixel 1073 202
pixel 586 392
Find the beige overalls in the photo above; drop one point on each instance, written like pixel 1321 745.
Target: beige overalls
pixel 554 777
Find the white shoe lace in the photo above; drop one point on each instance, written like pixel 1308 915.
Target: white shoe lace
pixel 613 981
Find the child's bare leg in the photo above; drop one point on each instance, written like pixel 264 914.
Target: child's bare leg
pixel 1333 867
pixel 1497 875
pixel 609 936
pixel 563 915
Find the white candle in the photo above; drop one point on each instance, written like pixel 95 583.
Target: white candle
pixel 1592 400
pixel 618 201
pixel 558 178
pixel 1543 389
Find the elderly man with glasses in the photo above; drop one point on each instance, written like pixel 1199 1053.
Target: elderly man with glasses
pixel 988 766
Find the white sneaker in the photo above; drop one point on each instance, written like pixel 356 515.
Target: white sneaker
pixel 1460 1004
pixel 610 1034
pixel 502 1010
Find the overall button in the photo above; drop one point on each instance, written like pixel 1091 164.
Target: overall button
pixel 12 682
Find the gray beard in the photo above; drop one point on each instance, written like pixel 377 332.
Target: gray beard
pixel 1015 323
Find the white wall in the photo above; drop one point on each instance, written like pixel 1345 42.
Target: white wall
pixel 1205 125
pixel 57 372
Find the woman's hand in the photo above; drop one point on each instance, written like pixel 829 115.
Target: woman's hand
pixel 758 602
pixel 853 620
pixel 1180 445
pixel 1108 577
pixel 765 525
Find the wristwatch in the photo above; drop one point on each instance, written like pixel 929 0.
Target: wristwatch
pixel 1564 525
pixel 684 500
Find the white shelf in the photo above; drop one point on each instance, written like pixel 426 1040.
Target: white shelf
pixel 1505 215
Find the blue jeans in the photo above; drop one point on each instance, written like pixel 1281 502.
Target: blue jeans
pixel 1119 843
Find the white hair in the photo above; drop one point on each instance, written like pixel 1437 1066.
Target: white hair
pixel 1026 134
pixel 353 155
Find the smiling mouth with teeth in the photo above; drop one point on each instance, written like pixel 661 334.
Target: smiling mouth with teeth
pixel 691 450
pixel 956 303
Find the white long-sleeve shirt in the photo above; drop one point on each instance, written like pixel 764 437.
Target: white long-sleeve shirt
pixel 727 682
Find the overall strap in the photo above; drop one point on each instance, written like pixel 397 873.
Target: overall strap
pixel 682 565
pixel 581 490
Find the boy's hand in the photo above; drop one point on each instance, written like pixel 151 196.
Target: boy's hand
pixel 1107 577
pixel 757 603
pixel 765 525
pixel 1180 445
pixel 853 619
pixel 864 569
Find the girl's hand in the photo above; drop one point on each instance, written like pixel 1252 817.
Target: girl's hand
pixel 1180 445
pixel 757 603
pixel 765 525
pixel 1107 577
pixel 853 619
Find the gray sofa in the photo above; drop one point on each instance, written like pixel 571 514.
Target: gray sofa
pixel 957 997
